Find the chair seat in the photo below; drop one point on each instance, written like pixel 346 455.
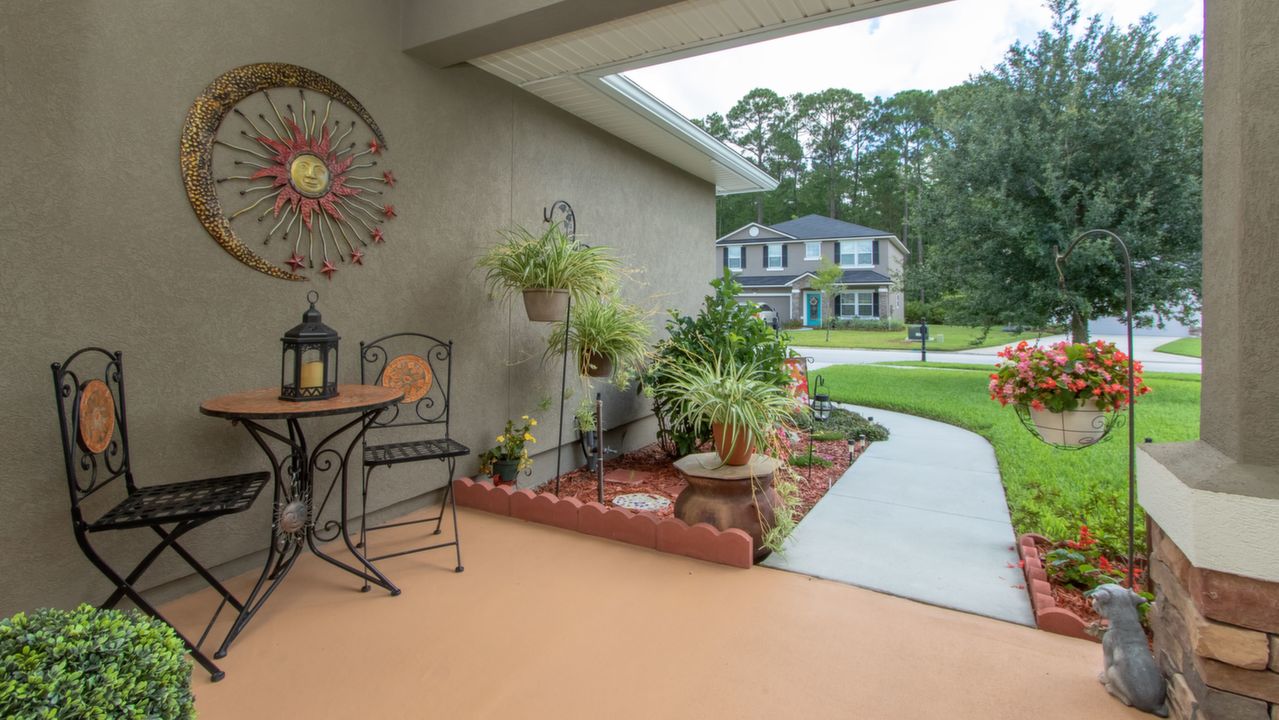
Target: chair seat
pixel 177 502
pixel 399 452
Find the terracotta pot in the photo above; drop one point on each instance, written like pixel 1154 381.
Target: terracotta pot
pixel 546 305
pixel 1083 426
pixel 739 443
pixel 596 365
pixel 723 496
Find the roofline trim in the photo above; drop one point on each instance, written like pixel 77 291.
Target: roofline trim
pixel 761 226
pixel 639 100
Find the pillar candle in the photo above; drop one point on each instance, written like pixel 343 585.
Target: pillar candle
pixel 312 374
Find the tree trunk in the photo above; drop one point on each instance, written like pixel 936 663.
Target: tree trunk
pixel 1078 328
pixel 759 208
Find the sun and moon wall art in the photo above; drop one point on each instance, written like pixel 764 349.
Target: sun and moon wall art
pixel 289 172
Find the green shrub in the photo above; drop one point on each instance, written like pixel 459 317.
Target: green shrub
pixel 805 460
pixel 723 330
pixel 842 425
pixel 885 324
pixel 936 312
pixel 90 663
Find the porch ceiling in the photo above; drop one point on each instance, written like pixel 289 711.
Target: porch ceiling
pixel 579 71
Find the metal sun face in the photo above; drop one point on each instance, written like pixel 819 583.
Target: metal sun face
pixel 293 517
pixel 309 175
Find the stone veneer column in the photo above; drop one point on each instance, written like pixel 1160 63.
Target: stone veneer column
pixel 1214 503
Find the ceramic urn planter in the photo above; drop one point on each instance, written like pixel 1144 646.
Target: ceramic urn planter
pixel 729 496
pixel 546 305
pixel 1082 426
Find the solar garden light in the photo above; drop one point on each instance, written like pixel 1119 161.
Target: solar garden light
pixel 309 361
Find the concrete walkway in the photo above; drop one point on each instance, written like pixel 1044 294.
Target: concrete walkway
pixel 921 516
pixel 1143 349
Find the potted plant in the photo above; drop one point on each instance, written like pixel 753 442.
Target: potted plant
pixel 738 400
pixel 510 456
pixel 547 269
pixel 604 334
pixel 1066 389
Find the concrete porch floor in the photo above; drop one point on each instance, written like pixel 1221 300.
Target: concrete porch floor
pixel 546 623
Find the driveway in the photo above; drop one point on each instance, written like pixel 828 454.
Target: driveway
pixel 1143 351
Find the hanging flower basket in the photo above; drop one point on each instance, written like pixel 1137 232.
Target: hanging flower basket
pixel 1067 394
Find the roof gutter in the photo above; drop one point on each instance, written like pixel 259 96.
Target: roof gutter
pixel 640 101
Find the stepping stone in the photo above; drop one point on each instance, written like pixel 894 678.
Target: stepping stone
pixel 642 502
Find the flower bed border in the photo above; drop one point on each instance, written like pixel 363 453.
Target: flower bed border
pixel 702 541
pixel 1048 616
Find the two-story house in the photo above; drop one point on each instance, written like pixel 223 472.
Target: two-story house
pixel 775 263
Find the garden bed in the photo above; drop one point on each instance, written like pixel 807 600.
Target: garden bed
pixel 650 470
pixel 1060 607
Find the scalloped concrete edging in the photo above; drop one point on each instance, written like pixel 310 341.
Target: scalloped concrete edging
pixel 670 535
pixel 1048 616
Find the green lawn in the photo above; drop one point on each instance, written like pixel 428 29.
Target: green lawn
pixel 1190 347
pixel 953 337
pixel 1050 491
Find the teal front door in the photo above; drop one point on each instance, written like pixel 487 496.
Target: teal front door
pixel 813 309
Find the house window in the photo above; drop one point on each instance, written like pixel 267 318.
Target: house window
pixel 812 251
pixel 857 253
pixel 775 257
pixel 734 257
pixel 857 304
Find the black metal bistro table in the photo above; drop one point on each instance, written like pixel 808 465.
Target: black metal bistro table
pixel 296 520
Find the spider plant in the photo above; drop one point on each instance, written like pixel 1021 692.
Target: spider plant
pixel 736 399
pixel 604 333
pixel 550 261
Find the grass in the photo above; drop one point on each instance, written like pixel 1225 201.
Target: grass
pixel 1190 347
pixel 955 337
pixel 1050 491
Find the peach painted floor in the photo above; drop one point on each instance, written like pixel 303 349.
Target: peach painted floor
pixel 546 623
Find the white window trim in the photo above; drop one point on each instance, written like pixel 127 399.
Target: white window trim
pixel 780 258
pixel 808 246
pixel 845 304
pixel 856 266
pixel 741 258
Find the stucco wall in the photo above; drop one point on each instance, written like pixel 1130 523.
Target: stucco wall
pixel 101 247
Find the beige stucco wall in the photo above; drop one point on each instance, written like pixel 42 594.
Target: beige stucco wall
pixel 100 246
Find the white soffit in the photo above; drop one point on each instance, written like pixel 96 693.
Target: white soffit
pixel 580 72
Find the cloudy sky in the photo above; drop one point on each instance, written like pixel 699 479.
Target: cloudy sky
pixel 930 49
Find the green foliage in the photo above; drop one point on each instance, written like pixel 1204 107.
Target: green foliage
pixel 604 326
pixel 90 663
pixel 1051 492
pixel 806 460
pixel 723 330
pixel 940 337
pixel 551 260
pixel 1090 126
pixel 935 312
pixel 884 324
pixel 842 425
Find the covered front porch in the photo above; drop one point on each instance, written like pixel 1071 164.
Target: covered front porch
pixel 551 623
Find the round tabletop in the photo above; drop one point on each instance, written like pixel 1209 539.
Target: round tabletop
pixel 265 403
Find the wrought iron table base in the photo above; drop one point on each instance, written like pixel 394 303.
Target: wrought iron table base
pixel 294 485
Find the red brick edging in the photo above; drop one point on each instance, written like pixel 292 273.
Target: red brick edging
pixel 1048 616
pixel 702 541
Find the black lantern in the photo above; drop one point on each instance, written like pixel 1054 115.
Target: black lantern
pixel 309 368
pixel 821 404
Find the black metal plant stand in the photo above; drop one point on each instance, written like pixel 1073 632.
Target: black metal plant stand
pixel 569 221
pixel 1060 260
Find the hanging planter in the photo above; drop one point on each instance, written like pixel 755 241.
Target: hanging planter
pixel 1067 394
pixel 547 269
pixel 605 334
pixel 542 305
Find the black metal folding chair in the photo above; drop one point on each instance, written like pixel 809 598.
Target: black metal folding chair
pixel 95 447
pixel 414 363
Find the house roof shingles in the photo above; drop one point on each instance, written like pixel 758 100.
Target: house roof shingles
pixel 811 227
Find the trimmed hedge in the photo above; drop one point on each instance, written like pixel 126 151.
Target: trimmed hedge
pixel 91 663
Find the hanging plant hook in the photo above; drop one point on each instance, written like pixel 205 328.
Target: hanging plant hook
pixel 568 221
pixel 1060 261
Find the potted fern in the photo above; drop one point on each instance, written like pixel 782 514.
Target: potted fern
pixel 738 400
pixel 547 270
pixel 604 334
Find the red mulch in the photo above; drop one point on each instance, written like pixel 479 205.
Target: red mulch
pixel 1069 597
pixel 658 476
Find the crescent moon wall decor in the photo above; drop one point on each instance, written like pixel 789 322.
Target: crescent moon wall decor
pixel 289 164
